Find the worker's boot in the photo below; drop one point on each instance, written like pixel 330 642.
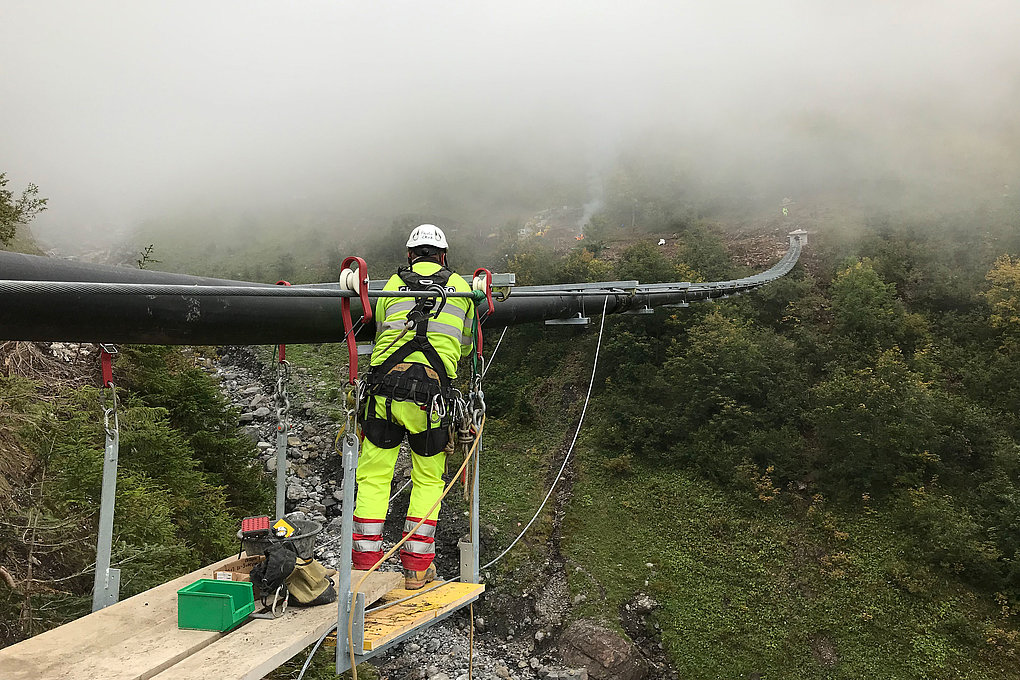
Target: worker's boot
pixel 414 580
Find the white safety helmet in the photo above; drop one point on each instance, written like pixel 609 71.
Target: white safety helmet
pixel 427 235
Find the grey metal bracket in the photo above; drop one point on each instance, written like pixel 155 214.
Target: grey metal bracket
pixel 572 321
pixel 109 592
pixel 349 449
pixel 358 634
pixel 642 310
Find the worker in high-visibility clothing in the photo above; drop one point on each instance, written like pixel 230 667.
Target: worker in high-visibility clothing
pixel 409 392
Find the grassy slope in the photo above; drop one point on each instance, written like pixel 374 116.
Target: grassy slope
pixel 768 589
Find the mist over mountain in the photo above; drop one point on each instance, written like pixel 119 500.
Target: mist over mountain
pixel 350 114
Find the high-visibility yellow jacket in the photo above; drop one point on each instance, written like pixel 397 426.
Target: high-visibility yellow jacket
pixel 449 333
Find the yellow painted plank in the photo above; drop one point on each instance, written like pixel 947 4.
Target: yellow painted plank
pixel 131 640
pixel 392 622
pixel 260 646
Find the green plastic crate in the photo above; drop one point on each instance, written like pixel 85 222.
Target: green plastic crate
pixel 208 604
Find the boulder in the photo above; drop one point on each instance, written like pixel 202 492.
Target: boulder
pixel 602 651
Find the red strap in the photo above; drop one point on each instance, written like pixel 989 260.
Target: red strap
pixel 488 299
pixel 345 313
pixel 488 286
pixel 106 363
pixel 283 348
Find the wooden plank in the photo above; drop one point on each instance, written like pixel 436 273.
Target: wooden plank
pixel 262 645
pixel 387 624
pixel 131 640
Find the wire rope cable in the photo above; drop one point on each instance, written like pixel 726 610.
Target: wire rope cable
pixel 570 449
pixel 492 356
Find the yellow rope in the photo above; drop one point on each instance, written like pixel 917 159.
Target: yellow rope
pixel 350 617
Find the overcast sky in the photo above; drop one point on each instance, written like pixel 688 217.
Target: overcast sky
pixel 120 110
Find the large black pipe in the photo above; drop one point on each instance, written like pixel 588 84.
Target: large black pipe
pixel 70 314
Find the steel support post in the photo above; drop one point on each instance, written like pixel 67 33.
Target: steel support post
pixel 469 548
pixel 106 590
pixel 475 537
pixel 281 470
pixel 344 598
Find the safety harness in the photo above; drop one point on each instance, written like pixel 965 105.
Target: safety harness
pixel 398 379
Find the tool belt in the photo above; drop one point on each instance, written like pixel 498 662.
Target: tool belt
pixel 409 382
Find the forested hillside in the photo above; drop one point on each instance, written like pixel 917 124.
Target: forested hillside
pixel 816 480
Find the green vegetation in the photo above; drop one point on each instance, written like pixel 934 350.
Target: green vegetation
pixel 16 211
pixel 825 475
pixel 185 478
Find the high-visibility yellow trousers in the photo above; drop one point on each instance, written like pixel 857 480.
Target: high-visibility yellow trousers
pixel 375 476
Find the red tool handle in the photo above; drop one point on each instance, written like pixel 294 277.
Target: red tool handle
pixel 283 348
pixel 345 313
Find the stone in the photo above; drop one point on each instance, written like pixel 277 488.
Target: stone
pixel 264 445
pixel 252 433
pixel 256 400
pixel 309 431
pixel 602 651
pixel 293 441
pixel 245 418
pixel 261 412
pixel 271 464
pixel 644 604
pixel 296 492
pixel 248 391
pixel 503 672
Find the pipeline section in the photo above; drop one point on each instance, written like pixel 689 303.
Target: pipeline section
pixel 49 299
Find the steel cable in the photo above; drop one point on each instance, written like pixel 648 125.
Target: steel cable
pixel 570 450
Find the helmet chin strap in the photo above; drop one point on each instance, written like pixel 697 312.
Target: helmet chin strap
pixel 412 260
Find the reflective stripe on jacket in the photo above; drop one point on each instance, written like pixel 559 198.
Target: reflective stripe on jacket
pixel 449 334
